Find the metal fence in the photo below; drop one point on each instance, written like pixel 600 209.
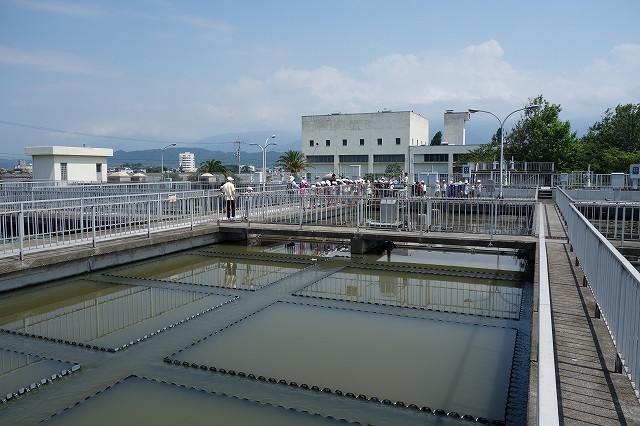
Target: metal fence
pixel 412 214
pixel 47 224
pixel 615 284
pixel 615 221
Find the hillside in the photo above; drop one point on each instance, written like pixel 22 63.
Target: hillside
pixel 152 157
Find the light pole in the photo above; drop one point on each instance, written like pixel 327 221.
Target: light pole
pixel 527 108
pixel 162 161
pixel 264 159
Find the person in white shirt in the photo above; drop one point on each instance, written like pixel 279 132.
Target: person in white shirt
pixel 229 193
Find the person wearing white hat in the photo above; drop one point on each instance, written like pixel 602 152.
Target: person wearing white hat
pixel 229 193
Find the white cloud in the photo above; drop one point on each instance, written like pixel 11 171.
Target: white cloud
pixel 75 9
pixel 201 23
pixel 488 49
pixel 327 84
pixel 50 61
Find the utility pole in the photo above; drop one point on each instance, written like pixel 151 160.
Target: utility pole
pixel 237 154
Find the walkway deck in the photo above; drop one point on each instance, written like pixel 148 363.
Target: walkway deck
pixel 589 392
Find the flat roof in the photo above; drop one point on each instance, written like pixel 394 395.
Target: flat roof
pixel 386 111
pixel 69 150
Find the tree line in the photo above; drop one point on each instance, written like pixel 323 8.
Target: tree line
pixel 610 145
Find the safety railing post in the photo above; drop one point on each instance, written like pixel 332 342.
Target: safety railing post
pixel 148 219
pixel 159 221
pixel 190 204
pixel 624 220
pixel 21 230
pixel 93 226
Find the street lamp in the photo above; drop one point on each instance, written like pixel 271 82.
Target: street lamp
pixel 527 108
pixel 264 159
pixel 162 161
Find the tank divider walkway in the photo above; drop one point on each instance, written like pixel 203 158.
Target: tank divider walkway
pixel 589 391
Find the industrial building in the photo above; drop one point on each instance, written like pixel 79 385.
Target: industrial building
pixel 333 143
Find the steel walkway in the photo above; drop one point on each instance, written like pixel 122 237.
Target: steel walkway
pixel 589 392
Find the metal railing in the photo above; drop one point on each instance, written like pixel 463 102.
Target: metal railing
pixel 615 284
pixel 547 407
pixel 47 224
pixel 467 215
pixel 615 221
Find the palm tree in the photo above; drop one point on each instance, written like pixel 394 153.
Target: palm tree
pixel 293 161
pixel 212 166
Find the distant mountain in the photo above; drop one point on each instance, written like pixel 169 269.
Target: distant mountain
pixel 225 150
pixel 219 147
pixel 8 163
pixel 153 157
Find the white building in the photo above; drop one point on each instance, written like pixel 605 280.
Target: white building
pixel 62 163
pixel 454 130
pixel 332 143
pixel 187 160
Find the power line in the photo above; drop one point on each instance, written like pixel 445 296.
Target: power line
pixel 93 135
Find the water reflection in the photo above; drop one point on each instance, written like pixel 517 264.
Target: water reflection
pixel 456 363
pixel 451 366
pixel 227 272
pixel 474 296
pixel 459 258
pixel 103 319
pixel 147 402
pixel 20 371
pixel 306 248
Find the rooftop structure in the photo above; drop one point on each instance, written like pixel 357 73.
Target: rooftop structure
pixel 62 163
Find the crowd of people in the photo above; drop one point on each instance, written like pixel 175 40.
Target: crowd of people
pixel 383 188
pixel 326 192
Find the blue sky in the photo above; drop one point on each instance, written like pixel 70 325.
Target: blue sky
pixel 185 70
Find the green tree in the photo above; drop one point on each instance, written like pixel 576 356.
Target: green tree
pixel 212 166
pixel 394 170
pixel 293 161
pixel 436 140
pixel 540 136
pixel 607 145
pixel 484 153
pixel 619 128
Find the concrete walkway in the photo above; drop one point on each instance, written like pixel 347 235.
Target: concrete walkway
pixel 589 392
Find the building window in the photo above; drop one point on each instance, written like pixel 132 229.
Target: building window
pixel 327 142
pixel 361 142
pixel 456 157
pixel 354 158
pixel 98 168
pixel 436 158
pixel 389 158
pixel 63 171
pixel 344 142
pixel 320 158
pixel 379 141
pixel 311 143
pixel 397 141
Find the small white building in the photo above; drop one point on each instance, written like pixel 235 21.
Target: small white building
pixel 187 161
pixel 69 163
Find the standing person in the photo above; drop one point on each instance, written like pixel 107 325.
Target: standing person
pixel 229 194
